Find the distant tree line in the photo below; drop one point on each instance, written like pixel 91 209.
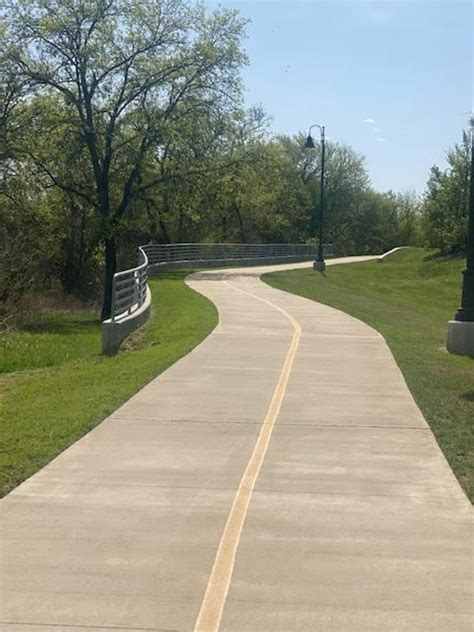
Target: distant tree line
pixel 122 122
pixel 444 209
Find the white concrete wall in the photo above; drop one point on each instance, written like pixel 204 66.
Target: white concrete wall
pixel 115 331
pixel 381 258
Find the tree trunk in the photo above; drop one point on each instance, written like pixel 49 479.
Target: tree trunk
pixel 82 240
pixel 165 237
pixel 224 228
pixel 241 223
pixel 110 270
pixel 180 237
pixel 71 270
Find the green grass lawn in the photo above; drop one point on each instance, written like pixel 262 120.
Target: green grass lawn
pixel 409 299
pixel 55 386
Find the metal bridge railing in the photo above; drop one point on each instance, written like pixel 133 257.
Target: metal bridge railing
pixel 175 253
pixel 129 288
pixel 130 293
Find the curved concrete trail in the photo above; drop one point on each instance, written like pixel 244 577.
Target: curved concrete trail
pixel 280 477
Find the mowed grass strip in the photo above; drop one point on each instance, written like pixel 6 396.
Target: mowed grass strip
pixel 409 299
pixel 56 386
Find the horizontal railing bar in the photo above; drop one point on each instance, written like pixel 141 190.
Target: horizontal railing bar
pixel 177 253
pixel 129 288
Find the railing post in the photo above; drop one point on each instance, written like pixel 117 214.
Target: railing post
pixel 133 299
pixel 114 290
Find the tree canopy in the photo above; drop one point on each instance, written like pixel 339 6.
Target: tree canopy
pixel 123 122
pixel 117 79
pixel 446 200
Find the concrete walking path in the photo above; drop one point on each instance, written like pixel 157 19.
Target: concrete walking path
pixel 280 477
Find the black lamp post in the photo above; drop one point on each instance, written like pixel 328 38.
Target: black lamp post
pixel 319 264
pixel 461 330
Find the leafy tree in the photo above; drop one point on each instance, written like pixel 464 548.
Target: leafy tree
pixel 122 122
pixel 12 89
pixel 346 179
pixel 126 71
pixel 28 235
pixel 446 200
pixel 199 157
pixel 381 221
pixel 407 213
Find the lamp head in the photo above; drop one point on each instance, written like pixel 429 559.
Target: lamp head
pixel 309 144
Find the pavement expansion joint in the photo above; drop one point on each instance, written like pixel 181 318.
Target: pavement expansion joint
pixel 303 492
pixel 244 369
pixel 302 424
pixel 92 626
pixel 254 489
pixel 341 607
pixel 142 485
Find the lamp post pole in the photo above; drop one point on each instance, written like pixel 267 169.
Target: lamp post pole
pixel 319 264
pixel 461 329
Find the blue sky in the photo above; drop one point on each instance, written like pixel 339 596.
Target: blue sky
pixel 407 66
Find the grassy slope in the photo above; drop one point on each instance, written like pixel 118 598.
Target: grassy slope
pixel 61 387
pixel 409 299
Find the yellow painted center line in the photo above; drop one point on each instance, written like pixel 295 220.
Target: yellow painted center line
pixel 212 606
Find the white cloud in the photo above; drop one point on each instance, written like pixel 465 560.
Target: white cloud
pixel 380 140
pixel 370 121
